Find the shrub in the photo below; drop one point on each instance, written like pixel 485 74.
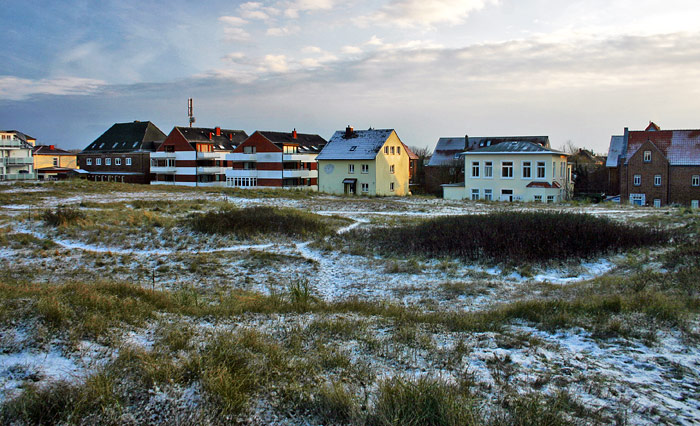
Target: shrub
pixel 63 216
pixel 512 237
pixel 261 220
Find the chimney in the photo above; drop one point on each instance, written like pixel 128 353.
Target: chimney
pixel 294 133
pixel 52 147
pixel 349 131
pixel 230 137
pixel 466 142
pixel 218 131
pixel 210 135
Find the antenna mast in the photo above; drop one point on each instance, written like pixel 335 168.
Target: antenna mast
pixel 190 111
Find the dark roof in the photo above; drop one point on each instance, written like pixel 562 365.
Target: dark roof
pixel 227 141
pixel 680 147
pixel 484 141
pixel 515 146
pixel 306 142
pixel 46 150
pixel 448 149
pixel 128 137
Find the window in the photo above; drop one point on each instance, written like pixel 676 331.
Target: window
pixel 248 150
pixel 365 187
pixel 657 180
pixel 647 156
pixel 241 182
pixel 117 161
pixel 128 161
pixel 657 202
pixel 250 165
pixel 540 170
pixel 488 169
pixel 391 169
pixel 398 150
pixel 475 169
pixel 507 169
pixel 527 169
pixel 108 161
pixel 694 204
pixel 88 161
pixel 538 198
pixel 386 150
pixel 695 180
pixel 169 162
pixel 475 194
pixel 351 168
pixel 561 169
pixel 55 161
pixel 554 169
pixel 488 194
pixel 637 180
pixel 98 161
pixel 365 168
pixel 391 186
pixel 550 198
pixel 392 150
pixel 354 147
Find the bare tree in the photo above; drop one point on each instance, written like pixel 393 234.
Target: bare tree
pixel 569 147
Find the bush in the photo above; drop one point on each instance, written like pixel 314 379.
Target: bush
pixel 262 220
pixel 512 237
pixel 62 216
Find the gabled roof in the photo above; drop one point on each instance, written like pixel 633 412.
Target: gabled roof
pixel 306 142
pixel 448 149
pixel 680 147
pixel 514 147
pixel 411 155
pixel 128 137
pixel 47 150
pixel 228 139
pixel 362 145
pixel 615 151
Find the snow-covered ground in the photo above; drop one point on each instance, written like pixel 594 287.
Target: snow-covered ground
pixel 649 382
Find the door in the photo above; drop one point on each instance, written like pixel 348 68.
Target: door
pixel 506 195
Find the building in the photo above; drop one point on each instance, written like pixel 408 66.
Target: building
pixel 445 165
pixel 367 162
pixel 195 156
pixel 122 153
pixel 276 159
pixel 657 167
pixel 513 171
pixel 16 161
pixel 53 163
pixel 589 173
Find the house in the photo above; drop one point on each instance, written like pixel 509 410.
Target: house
pixel 588 172
pixel 16 161
pixel 513 171
pixel 657 167
pixel 367 162
pixel 53 163
pixel 276 159
pixel 445 166
pixel 122 153
pixel 195 156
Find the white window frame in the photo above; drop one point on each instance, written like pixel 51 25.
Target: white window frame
pixel 541 167
pixel 351 169
pixel 488 194
pixel 538 198
pixel 647 156
pixel 128 161
pixel 108 161
pixel 55 162
pixel 476 167
pixel 694 204
pixel 488 169
pixel 88 161
pixel 657 202
pixel 637 180
pixel 526 165
pixel 505 164
pixel 365 187
pixel 392 169
pixel 657 180
pixel 550 199
pixel 117 161
pixel 475 194
pixel 695 180
pixel 98 161
pixel 365 168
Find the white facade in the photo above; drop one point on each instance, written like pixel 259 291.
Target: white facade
pixel 16 160
pixel 170 163
pixel 268 166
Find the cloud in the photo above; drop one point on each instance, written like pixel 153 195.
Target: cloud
pixel 233 21
pixel 15 88
pixel 282 31
pixel 292 9
pixel 233 30
pixel 274 63
pixel 351 50
pixel 256 10
pixel 311 49
pixel 421 13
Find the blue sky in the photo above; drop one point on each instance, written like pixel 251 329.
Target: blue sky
pixel 573 70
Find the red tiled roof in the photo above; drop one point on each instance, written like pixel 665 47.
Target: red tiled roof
pixel 680 147
pixel 543 185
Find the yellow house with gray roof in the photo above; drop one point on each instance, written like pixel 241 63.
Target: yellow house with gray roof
pixel 364 162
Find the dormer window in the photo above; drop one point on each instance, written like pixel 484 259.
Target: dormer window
pixel 647 156
pixel 354 147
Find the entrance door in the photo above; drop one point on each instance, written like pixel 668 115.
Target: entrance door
pixel 350 188
pixel 506 195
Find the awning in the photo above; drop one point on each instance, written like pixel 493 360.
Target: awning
pixel 352 181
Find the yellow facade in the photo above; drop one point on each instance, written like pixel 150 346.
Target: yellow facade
pixel 372 177
pixel 43 160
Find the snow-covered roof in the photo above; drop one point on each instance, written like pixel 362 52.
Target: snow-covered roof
pixel 681 147
pixel 445 151
pixel 361 145
pixel 514 147
pixel 617 147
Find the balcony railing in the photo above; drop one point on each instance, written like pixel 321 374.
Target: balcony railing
pixel 302 173
pixel 12 143
pixel 162 169
pixel 162 154
pixel 207 155
pixel 211 169
pixel 243 173
pixel 299 157
pixel 11 161
pixel 18 176
pixel 241 157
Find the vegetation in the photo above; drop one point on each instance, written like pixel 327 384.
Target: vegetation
pixel 512 237
pixel 63 216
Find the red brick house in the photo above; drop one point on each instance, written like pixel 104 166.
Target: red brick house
pixel 195 156
pixel 122 153
pixel 276 159
pixel 659 167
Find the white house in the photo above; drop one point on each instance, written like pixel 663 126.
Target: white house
pixel 513 171
pixel 16 161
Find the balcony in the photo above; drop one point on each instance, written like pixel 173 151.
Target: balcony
pixel 163 170
pixel 163 154
pixel 17 161
pixel 11 143
pixel 207 170
pixel 210 155
pixel 237 156
pixel 18 176
pixel 302 173
pixel 243 173
pixel 300 157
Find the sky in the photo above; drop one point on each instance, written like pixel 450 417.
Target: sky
pixel 577 71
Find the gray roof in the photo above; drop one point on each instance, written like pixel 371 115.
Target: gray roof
pixel 306 142
pixel 228 139
pixel 128 137
pixel 448 149
pixel 514 147
pixel 362 145
pixel 617 148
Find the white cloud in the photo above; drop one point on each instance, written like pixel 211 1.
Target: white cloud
pixel 293 8
pixel 236 34
pixel 274 63
pixel 256 10
pixel 311 49
pixel 233 21
pixel 351 50
pixel 15 88
pixel 282 31
pixel 422 13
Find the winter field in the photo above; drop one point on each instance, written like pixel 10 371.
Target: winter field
pixel 124 307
